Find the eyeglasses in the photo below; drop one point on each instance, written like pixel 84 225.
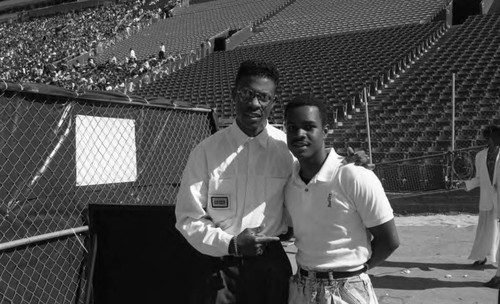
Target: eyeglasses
pixel 247 94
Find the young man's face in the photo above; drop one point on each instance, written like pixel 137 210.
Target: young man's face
pixel 305 133
pixel 254 99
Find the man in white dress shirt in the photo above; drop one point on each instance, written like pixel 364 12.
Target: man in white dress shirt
pixel 230 202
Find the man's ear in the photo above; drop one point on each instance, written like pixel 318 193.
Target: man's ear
pixel 325 130
pixel 233 93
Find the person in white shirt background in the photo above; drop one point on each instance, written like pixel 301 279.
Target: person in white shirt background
pixel 132 54
pixel 486 241
pixel 342 220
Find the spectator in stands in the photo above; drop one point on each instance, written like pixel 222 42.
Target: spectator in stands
pixel 161 54
pixel 487 237
pixel 132 55
pixel 343 222
pixel 208 46
pixel 230 202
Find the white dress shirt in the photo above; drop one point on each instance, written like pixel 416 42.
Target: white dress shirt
pixel 232 182
pixel 331 213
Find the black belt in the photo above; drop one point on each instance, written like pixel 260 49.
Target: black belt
pixel 331 274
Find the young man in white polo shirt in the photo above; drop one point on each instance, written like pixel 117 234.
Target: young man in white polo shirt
pixel 342 219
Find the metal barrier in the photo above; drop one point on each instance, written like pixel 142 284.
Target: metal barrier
pixel 438 171
pixel 60 152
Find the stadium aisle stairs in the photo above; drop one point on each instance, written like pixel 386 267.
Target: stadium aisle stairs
pixel 423 94
pixel 382 126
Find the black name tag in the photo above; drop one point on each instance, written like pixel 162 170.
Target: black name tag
pixel 219 202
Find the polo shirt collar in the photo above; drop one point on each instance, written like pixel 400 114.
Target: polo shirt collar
pixel 330 166
pixel 241 138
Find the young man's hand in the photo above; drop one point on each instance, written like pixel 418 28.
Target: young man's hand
pixel 359 158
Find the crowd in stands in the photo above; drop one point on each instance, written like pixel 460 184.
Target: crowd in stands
pixel 121 76
pixel 37 50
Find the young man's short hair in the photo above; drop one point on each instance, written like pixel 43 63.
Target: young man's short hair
pixel 308 100
pixel 490 130
pixel 258 68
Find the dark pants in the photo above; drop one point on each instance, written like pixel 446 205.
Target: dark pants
pixel 250 280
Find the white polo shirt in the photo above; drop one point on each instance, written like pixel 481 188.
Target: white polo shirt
pixel 232 182
pixel 331 213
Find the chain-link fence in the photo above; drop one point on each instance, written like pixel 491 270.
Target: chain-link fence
pixel 431 172
pixel 61 152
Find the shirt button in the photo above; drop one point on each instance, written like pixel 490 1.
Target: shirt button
pixel 307 190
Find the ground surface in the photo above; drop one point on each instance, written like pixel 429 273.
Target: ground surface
pixel 431 264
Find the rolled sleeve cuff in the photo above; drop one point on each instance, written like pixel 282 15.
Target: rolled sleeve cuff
pixel 380 221
pixel 225 239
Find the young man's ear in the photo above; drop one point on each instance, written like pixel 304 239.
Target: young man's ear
pixel 233 93
pixel 325 130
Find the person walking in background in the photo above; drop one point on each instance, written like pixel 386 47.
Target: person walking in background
pixel 486 241
pixel 342 220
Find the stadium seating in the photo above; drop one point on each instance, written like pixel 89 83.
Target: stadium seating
pixel 333 67
pixel 472 52
pixel 318 17
pixel 191 26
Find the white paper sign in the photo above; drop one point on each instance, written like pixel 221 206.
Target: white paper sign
pixel 105 150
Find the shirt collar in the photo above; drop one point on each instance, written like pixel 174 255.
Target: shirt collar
pixel 241 138
pixel 330 166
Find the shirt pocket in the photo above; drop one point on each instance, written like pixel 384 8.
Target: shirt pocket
pixel 221 205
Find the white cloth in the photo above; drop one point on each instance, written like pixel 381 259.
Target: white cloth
pixel 331 213
pixel 487 237
pixel 487 240
pixel 232 182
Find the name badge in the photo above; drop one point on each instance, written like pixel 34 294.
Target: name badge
pixel 220 202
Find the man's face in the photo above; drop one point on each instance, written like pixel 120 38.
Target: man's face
pixel 254 99
pixel 305 132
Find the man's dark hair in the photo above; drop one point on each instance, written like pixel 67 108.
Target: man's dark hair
pixel 308 100
pixel 258 68
pixel 489 130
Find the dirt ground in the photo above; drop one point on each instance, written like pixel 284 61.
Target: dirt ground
pixel 431 264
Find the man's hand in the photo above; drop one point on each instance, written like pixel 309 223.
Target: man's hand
pixel 251 243
pixel 359 158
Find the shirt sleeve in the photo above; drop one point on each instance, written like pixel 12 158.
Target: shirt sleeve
pixel 365 190
pixel 192 220
pixel 474 182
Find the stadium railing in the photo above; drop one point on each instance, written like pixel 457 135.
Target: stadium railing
pixel 440 171
pixel 61 151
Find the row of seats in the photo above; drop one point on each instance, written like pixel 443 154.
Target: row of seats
pixel 318 17
pixel 418 104
pixel 187 31
pixel 333 67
